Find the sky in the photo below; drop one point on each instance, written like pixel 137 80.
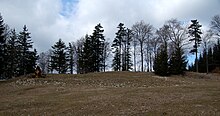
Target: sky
pixel 49 20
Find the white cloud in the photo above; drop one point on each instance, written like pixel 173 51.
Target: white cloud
pixel 42 18
pixel 111 12
pixel 49 20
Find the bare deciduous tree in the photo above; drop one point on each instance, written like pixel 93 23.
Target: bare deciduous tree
pixel 134 41
pixel 215 25
pixel 177 34
pixel 78 47
pixel 142 32
pixel 162 34
pixel 106 53
pixel 44 60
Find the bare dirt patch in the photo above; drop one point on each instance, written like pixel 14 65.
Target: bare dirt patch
pixel 111 93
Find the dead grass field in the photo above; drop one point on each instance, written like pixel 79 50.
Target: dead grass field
pixel 112 93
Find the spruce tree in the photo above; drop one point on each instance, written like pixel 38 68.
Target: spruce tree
pixel 210 59
pixel 204 64
pixel 59 57
pixel 31 61
pixel 2 48
pixel 117 45
pixel 116 62
pixel 177 64
pixel 88 55
pixel 2 30
pixel 195 32
pixel 127 54
pixel 216 54
pixel 161 56
pixel 97 47
pixel 91 54
pixel 13 52
pixel 25 44
pixel 161 62
pixel 201 63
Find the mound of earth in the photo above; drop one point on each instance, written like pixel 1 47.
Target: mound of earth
pixel 111 93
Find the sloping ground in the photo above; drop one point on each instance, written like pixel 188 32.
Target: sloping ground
pixel 111 93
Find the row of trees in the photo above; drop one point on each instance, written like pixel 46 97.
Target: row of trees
pixel 170 57
pixel 17 57
pixel 208 61
pixel 209 58
pixel 87 55
pixel 163 50
pixel 121 49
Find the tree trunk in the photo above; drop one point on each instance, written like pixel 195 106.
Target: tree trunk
pixel 142 58
pixel 207 64
pixel 197 64
pixel 134 59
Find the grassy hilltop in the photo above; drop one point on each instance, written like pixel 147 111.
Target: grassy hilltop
pixel 112 93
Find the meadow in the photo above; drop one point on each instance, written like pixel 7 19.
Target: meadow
pixel 111 93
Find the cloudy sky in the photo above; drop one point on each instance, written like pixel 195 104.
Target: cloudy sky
pixel 49 20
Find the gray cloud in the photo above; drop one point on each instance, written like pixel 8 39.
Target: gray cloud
pixel 49 20
pixel 155 12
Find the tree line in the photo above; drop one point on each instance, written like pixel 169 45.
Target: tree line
pixel 17 56
pixel 208 60
pixel 139 48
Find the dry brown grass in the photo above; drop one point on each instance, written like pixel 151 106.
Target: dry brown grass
pixel 111 93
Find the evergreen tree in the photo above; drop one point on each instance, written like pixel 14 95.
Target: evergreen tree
pixel 88 55
pixel 204 61
pixel 161 62
pixel 210 59
pixel 2 30
pixel 97 47
pixel 161 57
pixel 195 32
pixel 117 45
pixel 177 64
pixel 25 44
pixel 31 61
pixel 127 63
pixel 201 64
pixel 177 37
pixel 58 57
pixel 216 54
pixel 116 60
pixel 91 53
pixel 79 56
pixel 2 47
pixel 16 57
pixel 13 52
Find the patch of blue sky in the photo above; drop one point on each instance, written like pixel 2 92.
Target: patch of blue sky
pixel 68 7
pixel 191 59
